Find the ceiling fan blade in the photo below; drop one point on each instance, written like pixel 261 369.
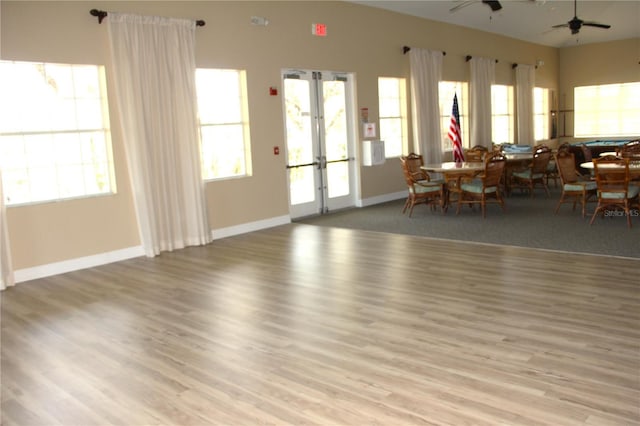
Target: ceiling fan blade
pixel 560 26
pixel 597 25
pixel 461 5
pixel 493 4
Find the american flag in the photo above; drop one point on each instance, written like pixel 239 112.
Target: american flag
pixel 454 132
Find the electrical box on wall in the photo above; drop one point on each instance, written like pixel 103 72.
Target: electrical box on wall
pixel 373 153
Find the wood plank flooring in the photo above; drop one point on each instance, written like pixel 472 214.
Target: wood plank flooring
pixel 314 325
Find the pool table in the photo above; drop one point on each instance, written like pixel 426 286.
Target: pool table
pixel 596 147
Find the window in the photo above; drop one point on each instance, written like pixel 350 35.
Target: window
pixel 607 110
pixel 541 113
pixel 224 123
pixel 392 100
pixel 502 117
pixel 447 89
pixel 54 132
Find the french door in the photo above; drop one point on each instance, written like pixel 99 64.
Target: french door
pixel 319 141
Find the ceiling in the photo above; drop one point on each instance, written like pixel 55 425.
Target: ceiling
pixel 529 20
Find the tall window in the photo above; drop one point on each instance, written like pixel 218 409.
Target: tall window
pixel 224 123
pixel 54 132
pixel 392 103
pixel 446 91
pixel 607 110
pixel 541 113
pixel 502 114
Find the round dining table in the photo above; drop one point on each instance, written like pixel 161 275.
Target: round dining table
pixel 451 167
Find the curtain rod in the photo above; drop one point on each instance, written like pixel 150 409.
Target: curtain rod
pixel 101 14
pixel 468 58
pixel 514 66
pixel 405 49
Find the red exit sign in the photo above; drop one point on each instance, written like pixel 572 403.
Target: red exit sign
pixel 319 29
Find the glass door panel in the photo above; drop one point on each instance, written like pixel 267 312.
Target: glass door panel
pixel 318 126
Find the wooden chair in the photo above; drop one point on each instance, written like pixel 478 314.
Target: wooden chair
pixel 630 150
pixel 615 193
pixel 535 173
pixel 413 163
pixel 552 169
pixel 476 154
pixel 587 157
pixel 422 190
pixel 485 187
pixel 574 187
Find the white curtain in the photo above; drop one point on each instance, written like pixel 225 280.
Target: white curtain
pixel 153 62
pixel 6 269
pixel 483 72
pixel 426 73
pixel 525 83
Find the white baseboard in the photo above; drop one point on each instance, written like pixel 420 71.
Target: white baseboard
pixel 70 265
pixel 381 199
pixel 55 268
pixel 250 227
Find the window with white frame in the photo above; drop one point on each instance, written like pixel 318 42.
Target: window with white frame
pixel 502 114
pixel 541 113
pixel 224 123
pixel 392 104
pixel 607 110
pixel 446 91
pixel 54 132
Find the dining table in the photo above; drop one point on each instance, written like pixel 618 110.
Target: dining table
pixel 453 168
pixel 634 167
pixel 453 174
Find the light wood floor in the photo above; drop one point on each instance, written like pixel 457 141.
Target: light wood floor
pixel 312 325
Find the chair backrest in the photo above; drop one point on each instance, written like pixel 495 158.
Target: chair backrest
pixel 631 150
pixel 476 154
pixel 612 176
pixel 541 157
pixel 493 169
pixel 411 164
pixel 586 153
pixel 566 164
pixel 566 146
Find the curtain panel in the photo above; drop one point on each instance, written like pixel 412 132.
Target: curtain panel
pixel 153 64
pixel 426 73
pixel 525 83
pixel 483 72
pixel 6 268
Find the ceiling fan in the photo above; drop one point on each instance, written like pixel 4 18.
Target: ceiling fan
pixel 493 4
pixel 576 23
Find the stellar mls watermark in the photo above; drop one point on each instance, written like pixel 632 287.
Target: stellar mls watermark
pixel 622 213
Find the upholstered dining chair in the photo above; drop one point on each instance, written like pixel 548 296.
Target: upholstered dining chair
pixel 413 162
pixel 485 187
pixel 615 193
pixel 574 186
pixel 630 150
pixel 535 173
pixel 476 154
pixel 552 172
pixel 422 190
pixel 587 157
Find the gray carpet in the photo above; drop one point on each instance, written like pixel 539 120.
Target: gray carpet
pixel 526 223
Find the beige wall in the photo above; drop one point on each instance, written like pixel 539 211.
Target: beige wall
pixel 365 41
pixel 599 63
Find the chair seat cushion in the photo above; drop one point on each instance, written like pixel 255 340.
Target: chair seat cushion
pixel 632 192
pixel 580 186
pixel 432 181
pixel 526 174
pixel 427 187
pixel 476 188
